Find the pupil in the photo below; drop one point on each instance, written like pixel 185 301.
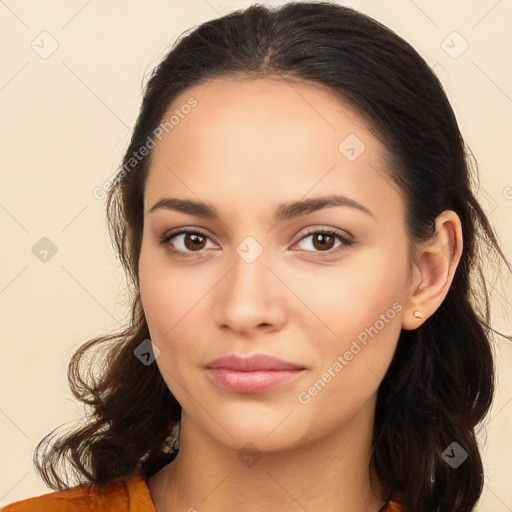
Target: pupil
pixel 193 241
pixel 321 240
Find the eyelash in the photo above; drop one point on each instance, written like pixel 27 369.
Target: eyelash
pixel 346 243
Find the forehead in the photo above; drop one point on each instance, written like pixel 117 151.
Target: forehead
pixel 266 140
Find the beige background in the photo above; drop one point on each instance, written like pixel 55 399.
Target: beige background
pixel 65 122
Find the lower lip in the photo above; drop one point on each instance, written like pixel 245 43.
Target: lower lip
pixel 252 382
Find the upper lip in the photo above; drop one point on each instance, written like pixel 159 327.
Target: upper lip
pixel 253 363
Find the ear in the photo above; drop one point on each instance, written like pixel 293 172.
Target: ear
pixel 433 269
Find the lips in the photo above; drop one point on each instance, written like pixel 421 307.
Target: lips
pixel 253 374
pixel 256 362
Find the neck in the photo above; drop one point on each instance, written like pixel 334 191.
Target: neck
pixel 331 474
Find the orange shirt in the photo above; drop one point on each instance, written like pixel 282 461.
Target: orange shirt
pixel 126 494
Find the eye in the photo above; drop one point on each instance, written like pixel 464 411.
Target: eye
pixel 193 241
pixel 322 241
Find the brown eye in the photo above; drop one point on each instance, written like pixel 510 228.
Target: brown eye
pixel 193 241
pixel 323 242
pixel 184 242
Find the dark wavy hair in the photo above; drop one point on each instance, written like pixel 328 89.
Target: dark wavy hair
pixel 440 383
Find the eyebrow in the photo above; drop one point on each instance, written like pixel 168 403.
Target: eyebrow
pixel 284 211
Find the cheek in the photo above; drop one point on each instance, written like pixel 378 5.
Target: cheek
pixel 167 292
pixel 163 311
pixel 170 296
pixel 352 296
pixel 360 309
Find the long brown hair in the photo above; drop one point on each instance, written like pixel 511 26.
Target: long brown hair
pixel 440 383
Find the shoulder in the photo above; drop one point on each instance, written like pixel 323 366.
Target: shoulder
pixel 394 505
pixel 125 494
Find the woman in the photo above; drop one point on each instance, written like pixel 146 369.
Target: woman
pixel 323 349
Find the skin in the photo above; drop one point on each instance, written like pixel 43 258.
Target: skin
pixel 248 146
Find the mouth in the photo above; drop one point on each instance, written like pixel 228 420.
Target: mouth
pixel 254 362
pixel 255 381
pixel 252 374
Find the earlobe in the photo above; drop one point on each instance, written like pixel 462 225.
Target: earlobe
pixel 433 270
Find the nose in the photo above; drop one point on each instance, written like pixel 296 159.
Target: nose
pixel 249 297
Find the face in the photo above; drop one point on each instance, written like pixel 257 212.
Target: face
pixel 322 287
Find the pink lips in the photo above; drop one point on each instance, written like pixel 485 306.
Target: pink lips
pixel 252 374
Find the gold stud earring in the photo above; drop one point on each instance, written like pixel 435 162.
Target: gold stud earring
pixel 417 314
